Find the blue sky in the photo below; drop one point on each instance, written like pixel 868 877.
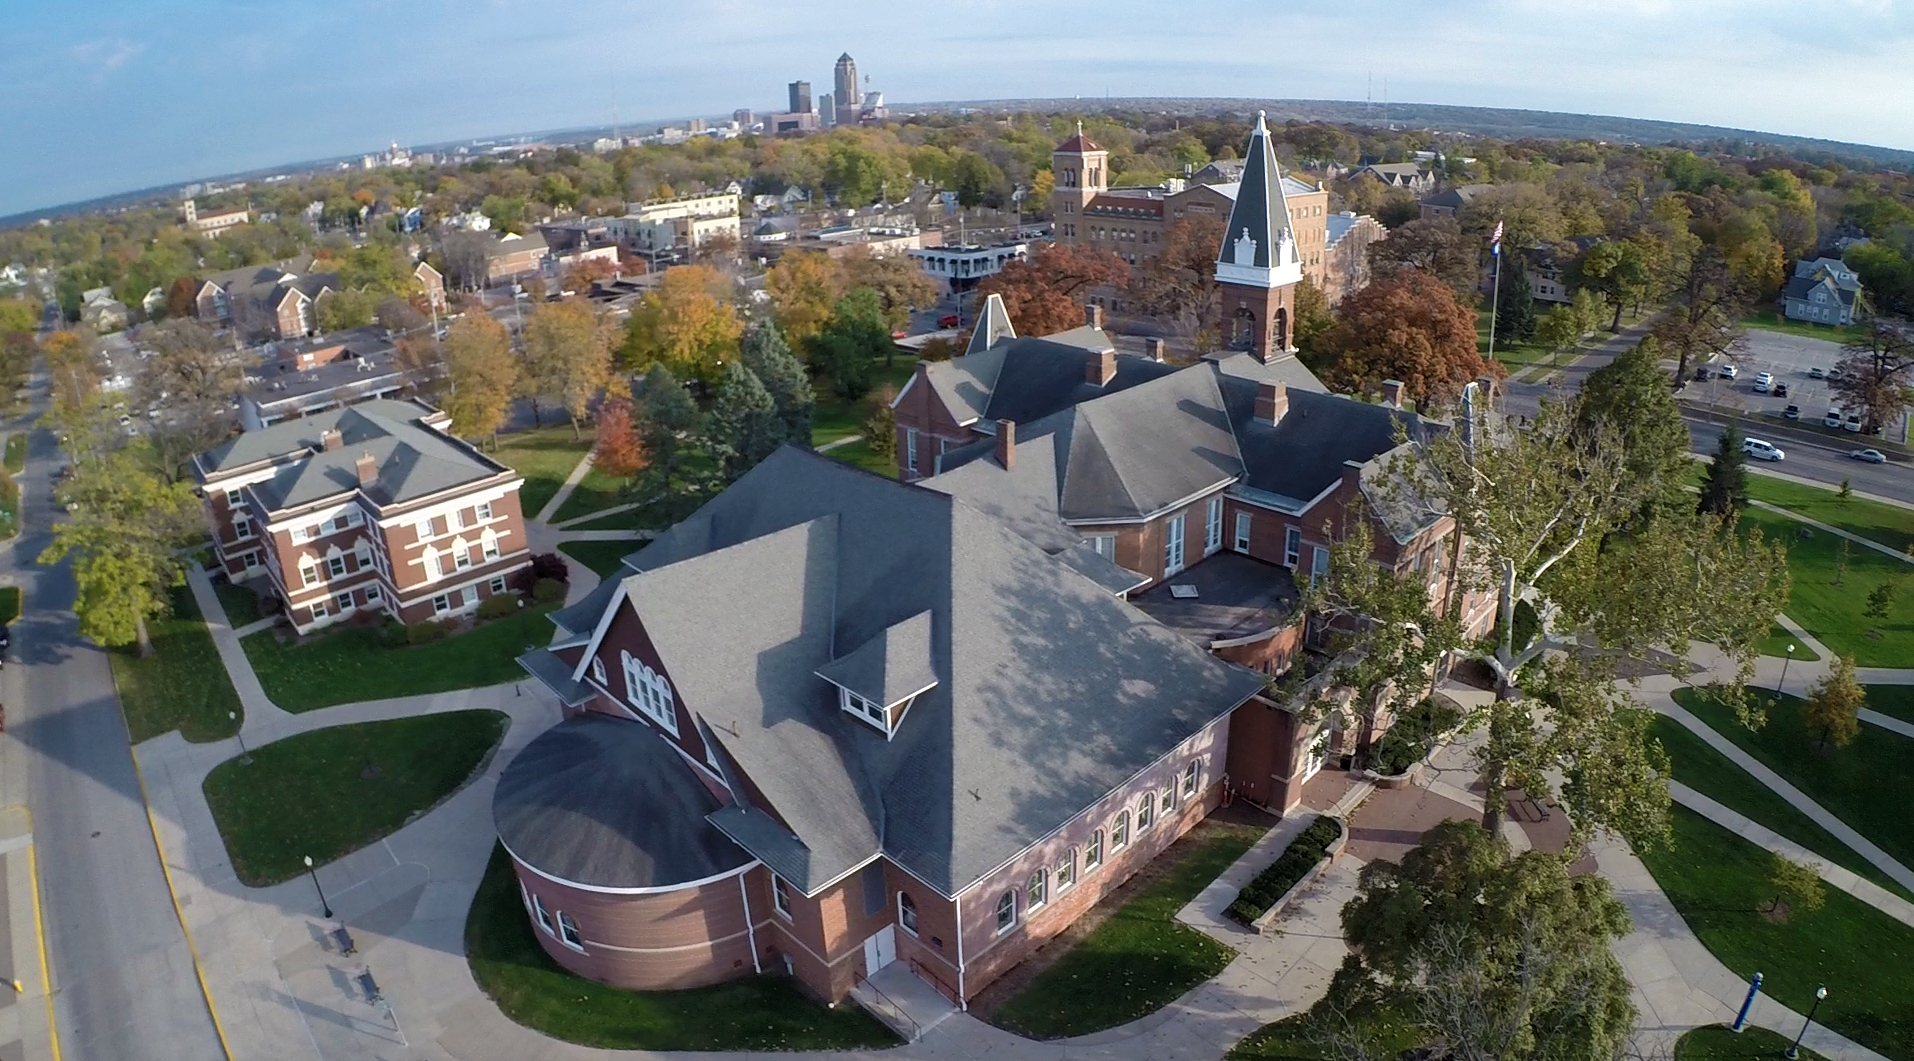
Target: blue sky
pixel 111 95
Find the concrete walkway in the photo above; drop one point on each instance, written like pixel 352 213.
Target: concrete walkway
pixel 1828 528
pixel 565 489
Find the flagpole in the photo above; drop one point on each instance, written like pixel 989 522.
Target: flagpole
pixel 1495 298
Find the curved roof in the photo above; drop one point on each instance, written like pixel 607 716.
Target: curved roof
pixel 605 803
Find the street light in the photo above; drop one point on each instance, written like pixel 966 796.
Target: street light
pixel 245 757
pixel 1784 674
pixel 325 907
pixel 1794 1048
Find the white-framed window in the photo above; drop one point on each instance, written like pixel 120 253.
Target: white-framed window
pixel 1213 526
pixel 490 543
pixel 568 932
pixel 455 520
pixel 497 586
pixel 1292 547
pixel 484 511
pixel 1067 870
pixel 910 450
pixel 1318 563
pixel 1104 545
pixel 1169 796
pixel 781 896
pixel 461 556
pixel 1120 831
pixel 242 527
pixel 301 534
pixel 336 566
pixel 308 574
pixel 907 913
pixel 1093 851
pixel 372 593
pixel 319 609
pixel 598 670
pixel 1037 889
pixel 251 560
pixel 544 916
pixel 433 570
pixel 232 496
pixel 649 692
pixel 441 604
pixel 1191 774
pixel 363 554
pixel 1173 545
pixel 1146 812
pixel 524 897
pixel 1006 912
pixel 425 530
pixel 343 601
pixel 1242 531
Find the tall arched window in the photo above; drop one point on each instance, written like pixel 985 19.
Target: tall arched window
pixel 906 913
pixel 1120 831
pixel 1282 328
pixel 1146 811
pixel 1006 911
pixel 1037 891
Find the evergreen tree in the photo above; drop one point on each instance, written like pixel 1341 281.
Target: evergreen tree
pixel 1724 490
pixel 845 353
pixel 1515 304
pixel 768 356
pixel 743 427
pixel 670 419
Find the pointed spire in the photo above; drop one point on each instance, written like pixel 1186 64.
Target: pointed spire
pixel 1259 246
pixel 993 327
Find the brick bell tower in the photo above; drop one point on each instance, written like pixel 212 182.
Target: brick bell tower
pixel 1082 172
pixel 1257 266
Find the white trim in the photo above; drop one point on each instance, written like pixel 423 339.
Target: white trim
pixel 1221 484
pixel 618 598
pixel 555 879
pixel 906 390
pixel 750 930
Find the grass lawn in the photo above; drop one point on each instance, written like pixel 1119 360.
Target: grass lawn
pixel 601 557
pixel 644 517
pixel 9 506
pixel 861 454
pixel 753 1013
pixel 1139 960
pixel 1833 613
pixel 1769 319
pixel 834 418
pixel 353 664
pixel 16 455
pixel 594 492
pixel 1707 771
pixel 1717 1043
pixel 544 456
pixel 1719 883
pixel 331 792
pixel 1895 700
pixel 9 603
pixel 1866 784
pixel 241 604
pixel 1891 525
pixel 1387 1034
pixel 1777 642
pixel 182 685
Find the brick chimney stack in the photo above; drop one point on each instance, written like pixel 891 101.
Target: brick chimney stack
pixel 1100 368
pixel 1392 393
pixel 330 439
pixel 1093 316
pixel 1157 348
pixel 1272 402
pixel 368 467
pixel 1007 444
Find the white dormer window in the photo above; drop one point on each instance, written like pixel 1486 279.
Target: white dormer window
pixel 865 709
pixel 649 692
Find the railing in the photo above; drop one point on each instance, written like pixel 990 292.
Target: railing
pixel 881 1004
pixel 924 973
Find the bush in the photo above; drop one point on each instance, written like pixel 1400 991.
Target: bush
pixel 498 607
pixel 426 631
pixel 548 590
pixel 1412 736
pixel 544 565
pixel 1292 865
pixel 395 635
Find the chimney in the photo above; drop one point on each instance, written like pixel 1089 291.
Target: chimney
pixel 1392 393
pixel 1100 368
pixel 1156 348
pixel 1093 316
pixel 368 469
pixel 330 439
pixel 1007 444
pixel 1272 402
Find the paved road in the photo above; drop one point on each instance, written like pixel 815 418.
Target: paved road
pixel 123 979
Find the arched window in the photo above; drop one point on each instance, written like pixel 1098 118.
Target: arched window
pixel 1282 328
pixel 1093 851
pixel 1067 870
pixel 1120 831
pixel 1146 812
pixel 1243 331
pixel 1037 891
pixel 1006 912
pixel 907 913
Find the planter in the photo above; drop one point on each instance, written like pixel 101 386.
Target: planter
pixel 1407 777
pixel 1301 860
pixel 1260 926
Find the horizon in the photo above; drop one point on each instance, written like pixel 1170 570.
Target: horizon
pixel 120 97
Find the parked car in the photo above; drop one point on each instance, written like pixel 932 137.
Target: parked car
pixel 1872 456
pixel 1780 390
pixel 1792 412
pixel 949 320
pixel 1761 450
pixel 1702 373
pixel 1729 371
pixel 1833 419
pixel 1817 372
pixel 1853 423
pixel 1763 381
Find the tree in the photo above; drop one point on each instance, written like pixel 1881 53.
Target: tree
pixel 879 429
pixel 1796 885
pixel 1876 372
pixel 567 355
pixel 1631 395
pixel 482 375
pixel 900 285
pixel 1724 486
pixel 1616 270
pixel 1045 293
pixel 1179 282
pixel 845 353
pixel 1435 246
pixel 1515 304
pixel 1408 327
pixel 339 310
pixel 193 379
pixel 379 268
pixel 423 361
pixel 1496 956
pixel 1705 312
pixel 1314 320
pixel 683 324
pixel 766 355
pixel 619 450
pixel 1834 704
pixel 977 180
pixel 397 315
pixel 124 537
pixel 580 277
pixel 743 427
pixel 804 285
pixel 1880 601
pixel 670 420
pixel 18 315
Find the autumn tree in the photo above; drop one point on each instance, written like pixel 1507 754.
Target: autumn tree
pixel 1796 887
pixel 481 375
pixel 1876 371
pixel 1406 327
pixel 19 316
pixel 567 356
pixel 341 310
pixel 422 359
pixel 1834 704
pixel 1045 293
pixel 879 429
pixel 1707 302
pixel 767 355
pixel 686 323
pixel 1315 319
pixel 1179 282
pixel 804 286
pixel 580 277
pixel 619 450
pixel 192 378
pixel 899 284
pixel 1435 246
pixel 182 297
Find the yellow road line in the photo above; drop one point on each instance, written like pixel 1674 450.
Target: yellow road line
pixel 199 968
pixel 46 978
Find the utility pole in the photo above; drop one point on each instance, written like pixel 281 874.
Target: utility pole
pixel 1495 296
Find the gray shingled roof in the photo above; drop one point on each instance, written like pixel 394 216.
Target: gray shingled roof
pixel 890 667
pixel 1025 379
pixel 414 460
pixel 606 802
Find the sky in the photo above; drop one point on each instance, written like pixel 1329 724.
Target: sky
pixel 108 96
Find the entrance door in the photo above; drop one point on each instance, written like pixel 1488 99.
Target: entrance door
pixel 880 950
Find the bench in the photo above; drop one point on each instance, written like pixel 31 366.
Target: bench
pixel 344 941
pixel 370 987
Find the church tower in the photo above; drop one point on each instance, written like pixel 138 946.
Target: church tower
pixel 1081 171
pixel 1257 266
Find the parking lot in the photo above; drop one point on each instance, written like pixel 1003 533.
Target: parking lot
pixel 1789 358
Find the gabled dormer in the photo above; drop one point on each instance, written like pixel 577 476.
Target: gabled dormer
pixel 879 679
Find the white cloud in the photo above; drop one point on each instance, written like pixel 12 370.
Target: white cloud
pixel 107 53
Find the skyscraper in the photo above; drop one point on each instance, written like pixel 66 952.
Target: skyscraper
pixel 845 90
pixel 800 97
pixel 827 110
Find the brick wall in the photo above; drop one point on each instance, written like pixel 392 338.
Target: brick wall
pixel 687 937
pixel 920 409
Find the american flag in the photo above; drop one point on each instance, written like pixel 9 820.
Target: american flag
pixel 1495 241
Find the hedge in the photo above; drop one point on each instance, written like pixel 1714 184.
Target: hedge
pixel 1309 848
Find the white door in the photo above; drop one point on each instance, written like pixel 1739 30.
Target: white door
pixel 880 950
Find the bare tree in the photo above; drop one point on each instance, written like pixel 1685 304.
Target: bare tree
pixel 1874 373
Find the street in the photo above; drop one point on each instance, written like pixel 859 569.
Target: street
pixel 124 984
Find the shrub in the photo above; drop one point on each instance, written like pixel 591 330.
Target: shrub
pixel 548 590
pixel 1292 865
pixel 426 631
pixel 1412 736
pixel 498 607
pixel 551 565
pixel 395 635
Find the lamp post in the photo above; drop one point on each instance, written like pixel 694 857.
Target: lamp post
pixel 324 907
pixel 1784 674
pixel 245 757
pixel 1794 1048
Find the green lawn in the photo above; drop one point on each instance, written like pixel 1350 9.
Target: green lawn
pixel 1895 700
pixel 1867 784
pixel 545 457
pixel 9 603
pixel 1384 1031
pixel 182 685
pixel 644 517
pixel 834 418
pixel 1707 771
pixel 240 603
pixel 353 664
pixel 1891 525
pixel 1769 319
pixel 1142 958
pixel 1832 613
pixel 601 557
pixel 331 792
pixel 1719 883
pixel 594 492
pixel 1717 1043
pixel 861 454
pixel 16 455
pixel 1777 642
pixel 751 1013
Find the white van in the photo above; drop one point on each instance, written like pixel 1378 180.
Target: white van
pixel 1760 450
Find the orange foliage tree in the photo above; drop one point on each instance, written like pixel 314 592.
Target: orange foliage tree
pixel 1408 327
pixel 620 450
pixel 1045 293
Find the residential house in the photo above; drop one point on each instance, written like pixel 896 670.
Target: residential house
pixel 431 285
pixel 1824 291
pixel 1408 175
pixel 102 312
pixel 1450 201
pixel 371 508
pixel 274 301
pixel 512 256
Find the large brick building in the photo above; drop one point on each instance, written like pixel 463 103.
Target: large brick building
pixel 368 508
